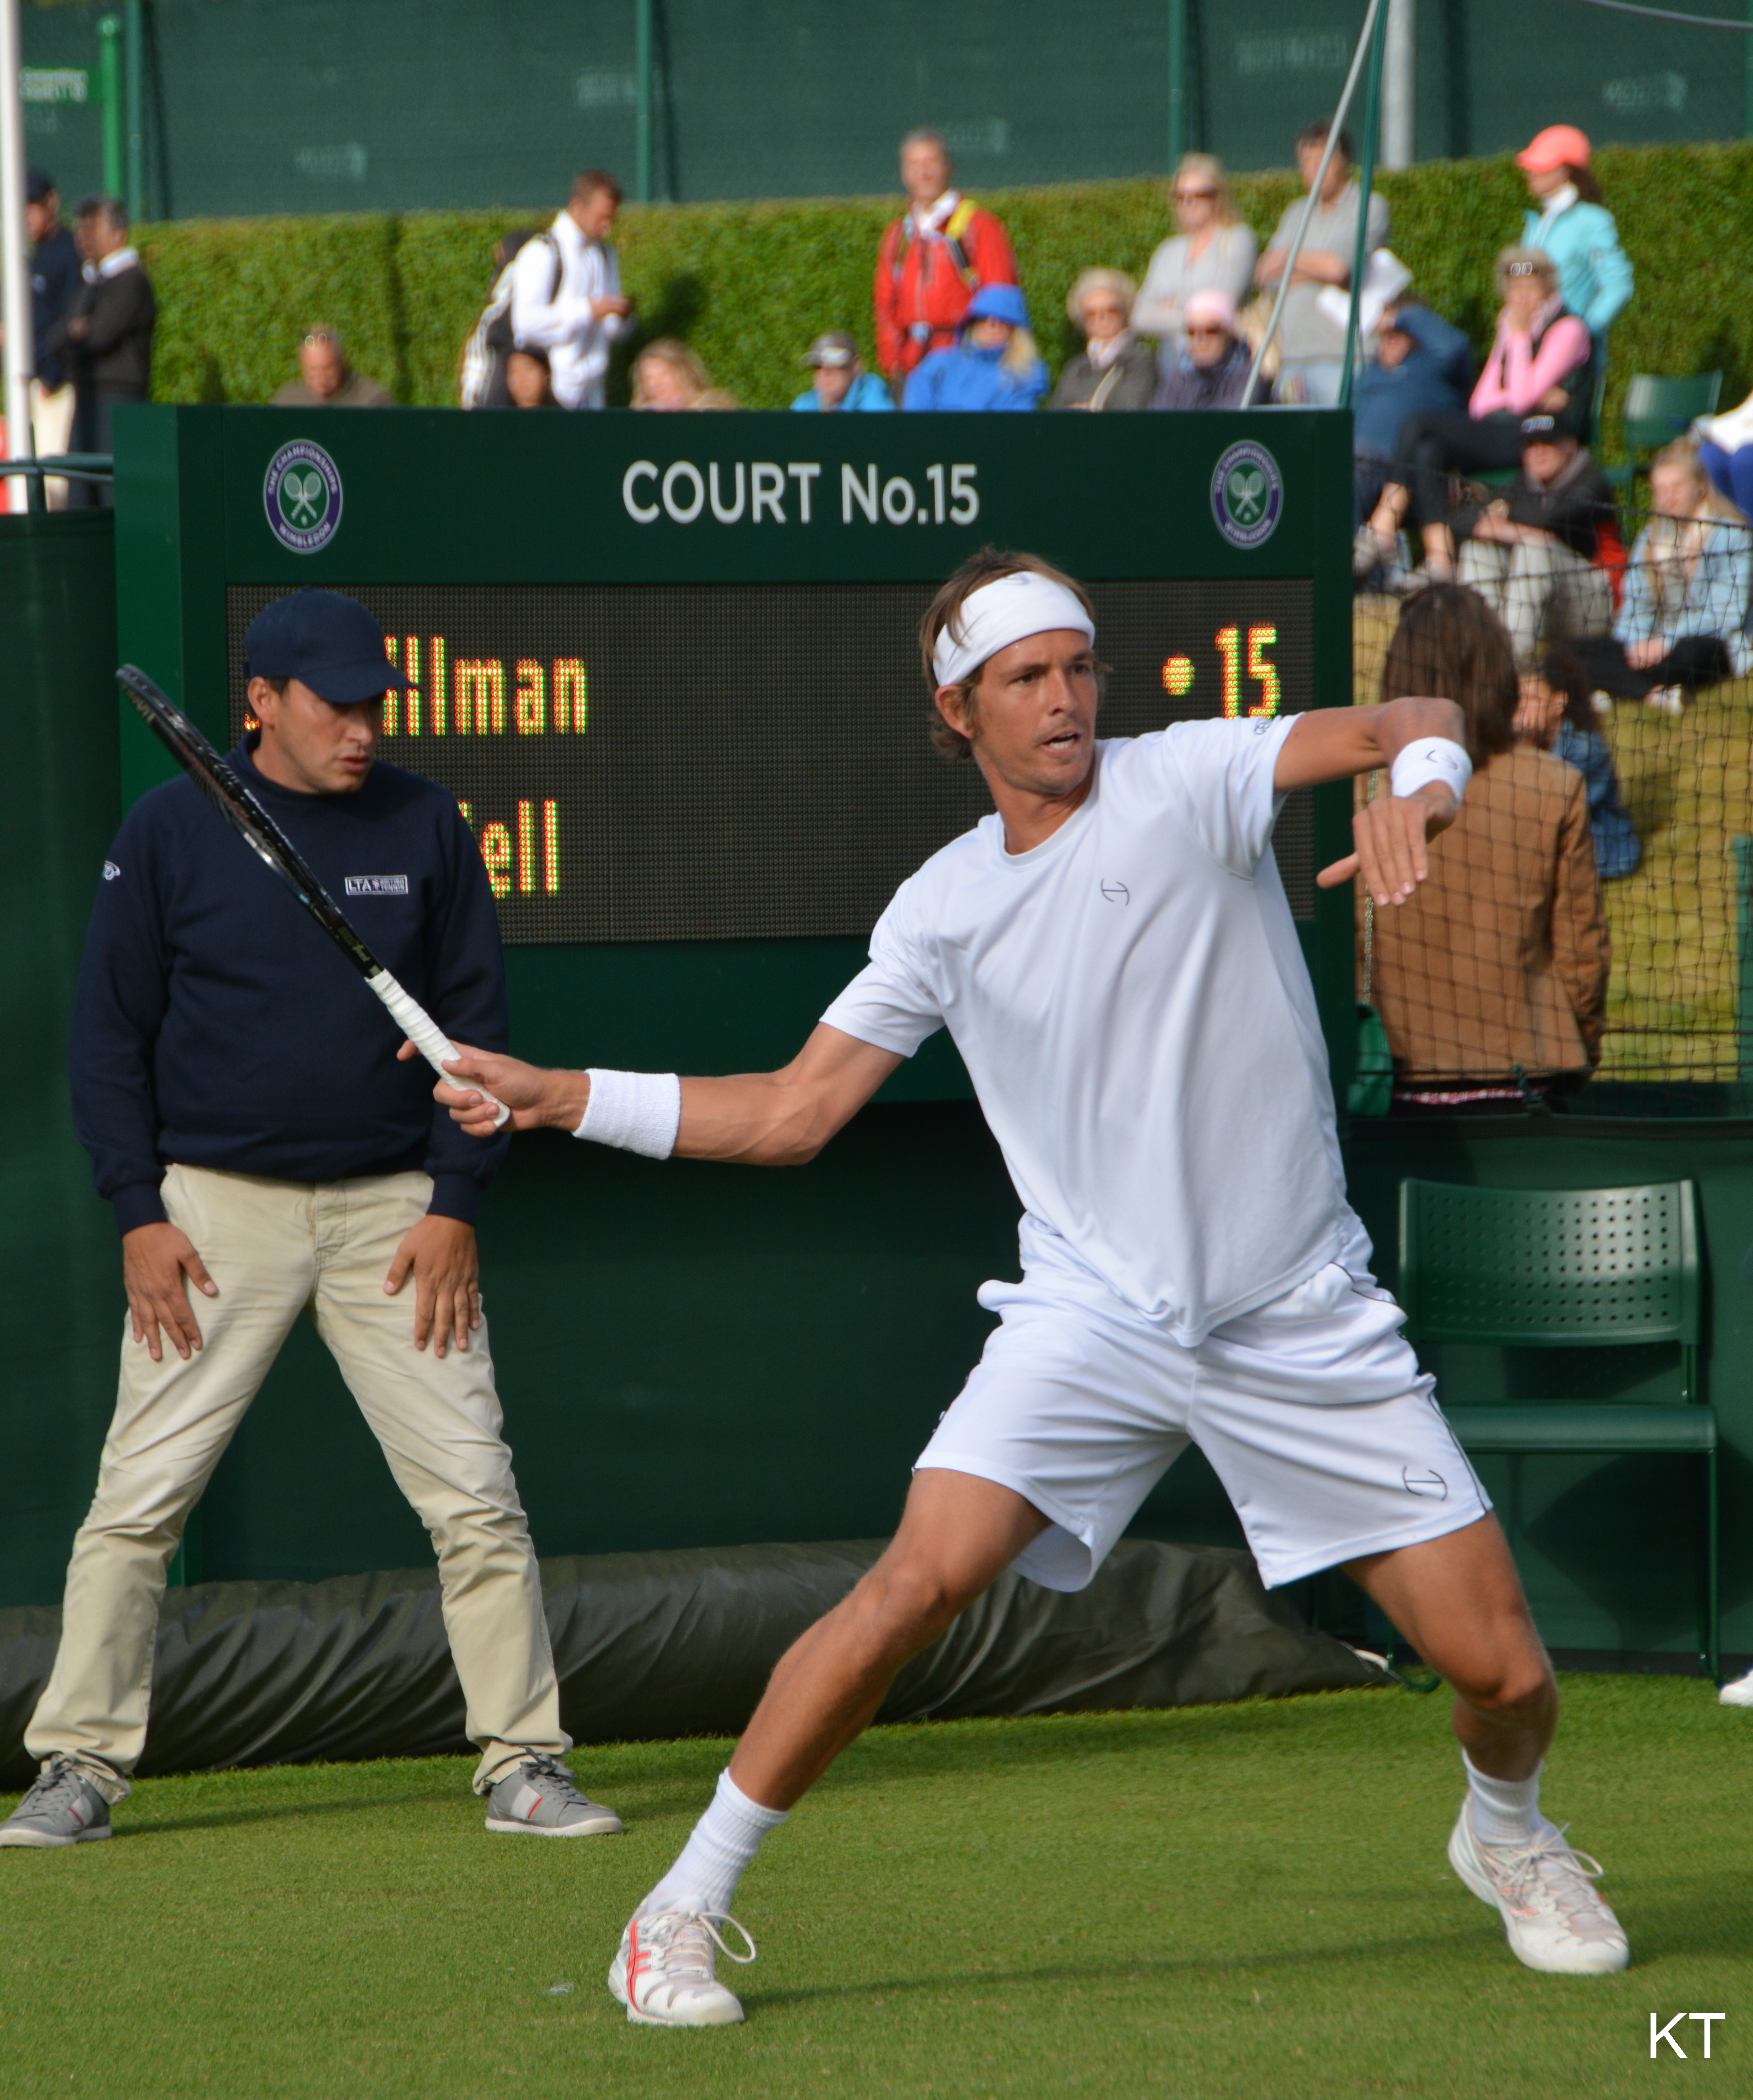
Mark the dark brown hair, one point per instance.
(1583, 182)
(592, 182)
(1565, 672)
(1451, 646)
(985, 567)
(1316, 135)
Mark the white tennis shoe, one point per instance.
(1553, 1918)
(1738, 1693)
(663, 1975)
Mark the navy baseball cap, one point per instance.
(1539, 429)
(326, 642)
(39, 185)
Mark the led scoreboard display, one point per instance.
(711, 761)
(667, 665)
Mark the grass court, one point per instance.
(1236, 1903)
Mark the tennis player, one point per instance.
(237, 1087)
(1114, 955)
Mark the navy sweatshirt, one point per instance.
(216, 1024)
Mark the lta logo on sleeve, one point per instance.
(301, 495)
(1247, 494)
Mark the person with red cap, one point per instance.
(1576, 229)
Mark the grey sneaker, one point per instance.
(63, 1807)
(539, 1797)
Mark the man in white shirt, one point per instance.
(566, 295)
(1113, 953)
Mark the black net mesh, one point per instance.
(1595, 925)
(670, 762)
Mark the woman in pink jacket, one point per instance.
(1542, 362)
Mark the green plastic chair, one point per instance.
(1569, 1268)
(1658, 411)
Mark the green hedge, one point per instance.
(748, 285)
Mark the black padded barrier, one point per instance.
(651, 1645)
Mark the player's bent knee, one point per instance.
(908, 1605)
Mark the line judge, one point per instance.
(248, 1121)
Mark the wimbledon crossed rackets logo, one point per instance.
(1247, 494)
(302, 496)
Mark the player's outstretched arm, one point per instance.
(1392, 834)
(779, 1118)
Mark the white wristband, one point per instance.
(637, 1111)
(1431, 758)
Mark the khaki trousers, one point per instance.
(1540, 590)
(275, 1249)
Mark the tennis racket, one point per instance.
(257, 830)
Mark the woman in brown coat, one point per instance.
(1491, 980)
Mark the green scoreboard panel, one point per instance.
(668, 665)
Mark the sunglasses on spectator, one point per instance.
(1523, 270)
(1094, 308)
(1193, 196)
(1206, 334)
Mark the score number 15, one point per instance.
(1177, 673)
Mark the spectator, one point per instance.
(1211, 371)
(666, 374)
(993, 363)
(105, 337)
(566, 295)
(1574, 228)
(933, 260)
(1542, 362)
(1215, 250)
(1491, 979)
(327, 381)
(1537, 552)
(1683, 620)
(1114, 369)
(841, 383)
(1725, 452)
(529, 379)
(1422, 366)
(1312, 345)
(1555, 712)
(54, 278)
(717, 397)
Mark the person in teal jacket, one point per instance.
(995, 364)
(842, 384)
(1576, 229)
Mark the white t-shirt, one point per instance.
(550, 310)
(1131, 1001)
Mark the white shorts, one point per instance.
(1312, 1411)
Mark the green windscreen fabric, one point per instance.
(62, 796)
(650, 1645)
(260, 106)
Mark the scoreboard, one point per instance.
(668, 665)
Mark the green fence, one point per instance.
(268, 106)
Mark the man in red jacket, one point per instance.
(933, 260)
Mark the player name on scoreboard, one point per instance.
(662, 762)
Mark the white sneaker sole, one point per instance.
(1739, 1693)
(1597, 1962)
(605, 1823)
(618, 1990)
(41, 1841)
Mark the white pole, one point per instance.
(1399, 75)
(1314, 191)
(14, 261)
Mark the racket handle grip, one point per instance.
(430, 1040)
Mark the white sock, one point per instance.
(724, 1840)
(1506, 1811)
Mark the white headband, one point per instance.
(999, 613)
